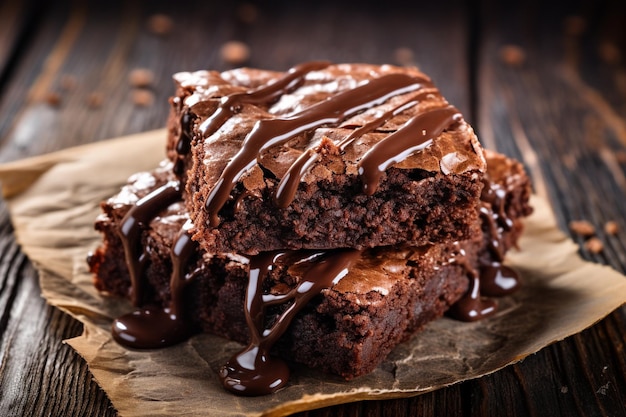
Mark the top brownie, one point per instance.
(322, 156)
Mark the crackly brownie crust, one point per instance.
(429, 196)
(349, 328)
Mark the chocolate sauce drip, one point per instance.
(133, 224)
(416, 134)
(498, 279)
(494, 216)
(153, 327)
(330, 112)
(493, 278)
(183, 144)
(288, 185)
(253, 371)
(183, 250)
(472, 306)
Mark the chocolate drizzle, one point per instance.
(493, 279)
(231, 104)
(288, 185)
(330, 112)
(498, 279)
(134, 223)
(183, 144)
(152, 327)
(253, 371)
(472, 306)
(416, 134)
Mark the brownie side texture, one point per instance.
(389, 294)
(428, 194)
(347, 330)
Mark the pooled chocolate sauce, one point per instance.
(253, 371)
(151, 328)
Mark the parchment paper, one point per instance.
(53, 200)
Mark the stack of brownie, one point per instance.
(321, 215)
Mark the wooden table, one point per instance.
(543, 83)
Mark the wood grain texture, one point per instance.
(563, 112)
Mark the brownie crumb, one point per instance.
(594, 245)
(404, 56)
(68, 82)
(512, 55)
(574, 25)
(611, 227)
(95, 100)
(142, 97)
(140, 77)
(53, 99)
(582, 228)
(160, 24)
(235, 52)
(247, 13)
(609, 52)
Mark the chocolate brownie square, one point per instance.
(322, 156)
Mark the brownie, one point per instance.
(388, 294)
(322, 156)
(323, 215)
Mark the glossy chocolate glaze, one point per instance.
(183, 144)
(271, 132)
(231, 104)
(288, 185)
(417, 133)
(153, 327)
(133, 224)
(493, 279)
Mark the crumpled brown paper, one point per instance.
(54, 199)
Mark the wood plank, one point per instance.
(561, 112)
(17, 19)
(39, 375)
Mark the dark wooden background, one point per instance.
(545, 83)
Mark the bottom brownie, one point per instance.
(347, 329)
